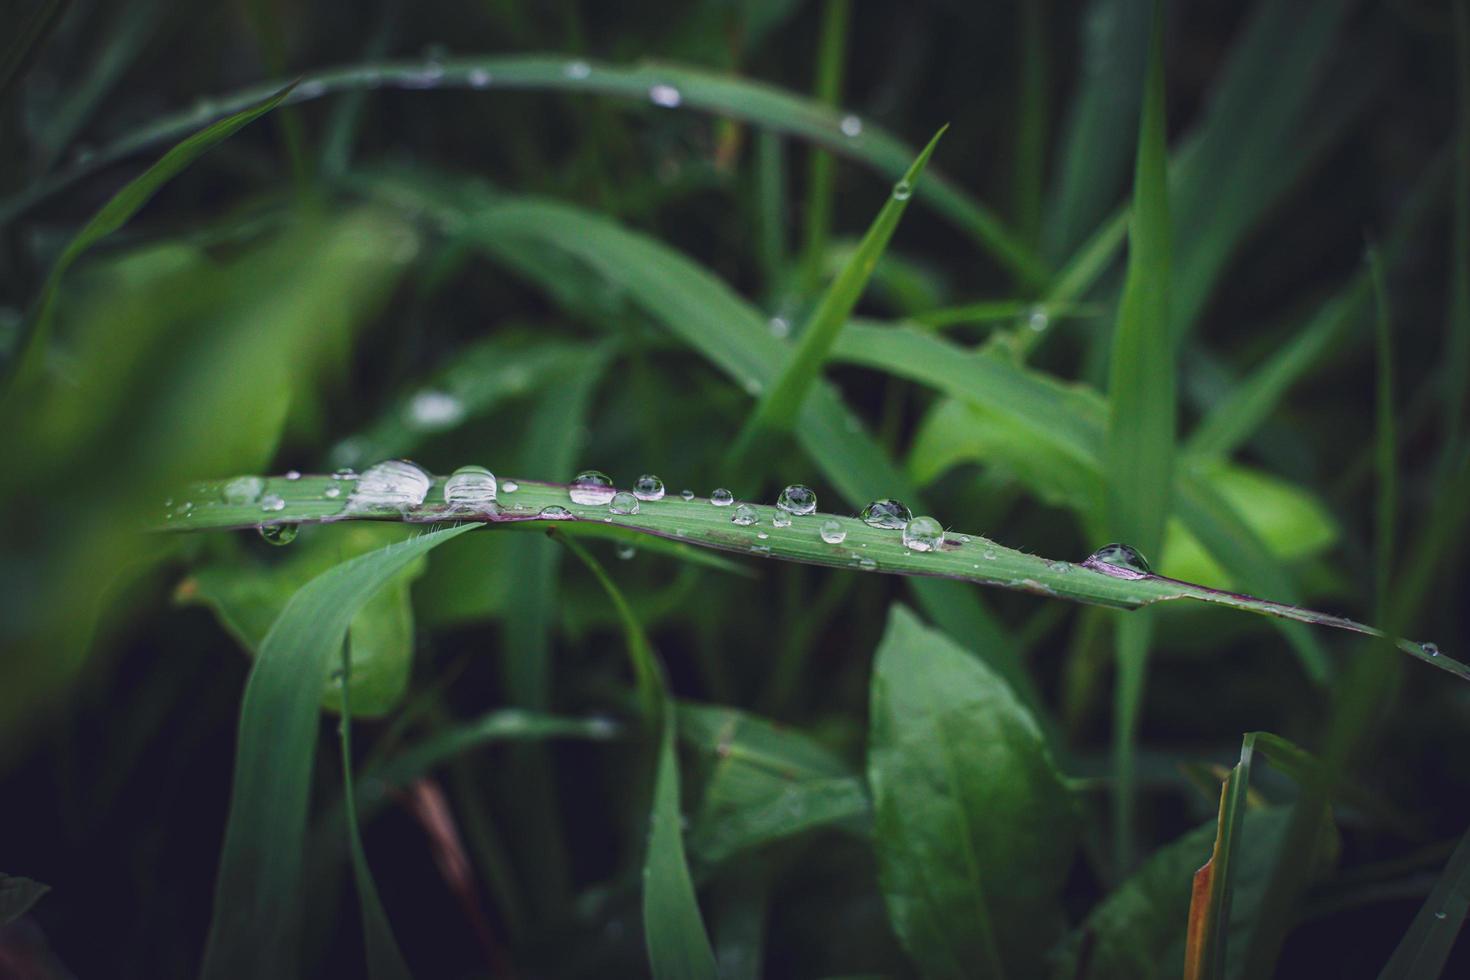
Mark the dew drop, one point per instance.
(780, 327)
(623, 502)
(1061, 567)
(591, 487)
(332, 491)
(556, 512)
(395, 483)
(433, 410)
(762, 535)
(345, 473)
(781, 519)
(832, 531)
(1037, 319)
(887, 513)
(990, 554)
(1119, 561)
(510, 486)
(626, 551)
(866, 563)
(278, 534)
(851, 126)
(665, 95)
(242, 490)
(722, 498)
(470, 488)
(1440, 915)
(479, 78)
(760, 549)
(648, 487)
(744, 515)
(272, 502)
(687, 494)
(923, 534)
(797, 499)
(1432, 649)
(902, 190)
(577, 69)
(293, 474)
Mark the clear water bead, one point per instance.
(722, 498)
(648, 487)
(271, 503)
(242, 490)
(923, 534)
(623, 502)
(797, 499)
(332, 492)
(395, 483)
(744, 515)
(887, 513)
(278, 534)
(556, 512)
(510, 486)
(626, 551)
(293, 474)
(832, 531)
(686, 494)
(781, 519)
(851, 126)
(665, 95)
(345, 473)
(577, 69)
(902, 190)
(469, 488)
(1119, 560)
(432, 410)
(1432, 649)
(591, 488)
(479, 78)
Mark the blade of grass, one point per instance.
(771, 194)
(831, 61)
(1031, 112)
(1422, 953)
(762, 105)
(1385, 441)
(1209, 904)
(252, 930)
(26, 41)
(384, 960)
(17, 895)
(780, 404)
(1457, 324)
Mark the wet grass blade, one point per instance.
(1457, 324)
(256, 896)
(831, 60)
(384, 960)
(1210, 899)
(1422, 953)
(779, 405)
(1385, 440)
(1029, 166)
(112, 216)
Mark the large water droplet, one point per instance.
(591, 487)
(851, 126)
(902, 190)
(744, 515)
(470, 488)
(923, 534)
(887, 513)
(722, 498)
(278, 534)
(665, 95)
(395, 483)
(556, 512)
(623, 502)
(797, 499)
(1118, 560)
(242, 490)
(648, 487)
(832, 531)
(272, 502)
(432, 410)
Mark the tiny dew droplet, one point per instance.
(887, 513)
(479, 78)
(1440, 914)
(665, 95)
(272, 502)
(332, 492)
(556, 512)
(762, 535)
(797, 499)
(293, 474)
(687, 494)
(923, 534)
(278, 534)
(623, 502)
(902, 190)
(577, 69)
(781, 519)
(832, 531)
(866, 563)
(1432, 649)
(242, 490)
(345, 473)
(648, 487)
(1118, 560)
(469, 487)
(626, 551)
(722, 497)
(510, 486)
(591, 488)
(431, 410)
(744, 515)
(851, 126)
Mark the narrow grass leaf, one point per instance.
(831, 61)
(1457, 324)
(1213, 891)
(1422, 953)
(1029, 165)
(1385, 440)
(27, 37)
(17, 896)
(973, 826)
(256, 897)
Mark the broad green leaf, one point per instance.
(252, 933)
(17, 895)
(973, 827)
(1422, 953)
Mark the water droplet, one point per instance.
(1118, 560)
(744, 515)
(332, 492)
(923, 534)
(345, 473)
(752, 386)
(648, 487)
(479, 78)
(762, 535)
(760, 549)
(433, 410)
(1061, 567)
(851, 126)
(665, 95)
(1440, 915)
(866, 563)
(272, 502)
(722, 498)
(902, 190)
(797, 499)
(780, 327)
(781, 519)
(887, 513)
(623, 502)
(832, 531)
(395, 483)
(278, 534)
(510, 486)
(591, 487)
(1037, 319)
(990, 554)
(1432, 649)
(556, 512)
(963, 538)
(469, 488)
(626, 551)
(242, 490)
(293, 474)
(577, 69)
(687, 494)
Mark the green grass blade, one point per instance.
(761, 105)
(831, 60)
(1029, 166)
(771, 194)
(1457, 324)
(998, 311)
(1422, 953)
(384, 959)
(1214, 884)
(26, 40)
(780, 404)
(17, 896)
(112, 216)
(1385, 440)
(255, 908)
